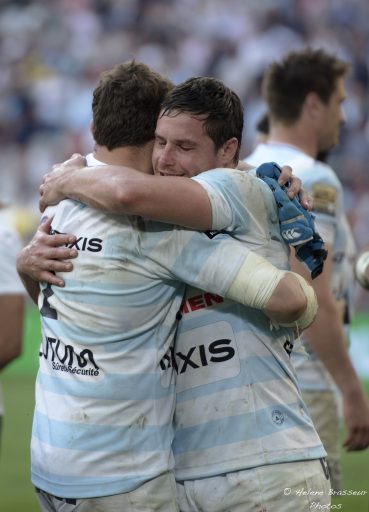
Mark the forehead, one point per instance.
(182, 126)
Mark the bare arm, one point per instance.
(326, 337)
(11, 332)
(42, 257)
(124, 190)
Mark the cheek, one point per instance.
(156, 150)
(190, 165)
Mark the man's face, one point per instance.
(332, 118)
(182, 148)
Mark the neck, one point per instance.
(130, 156)
(298, 135)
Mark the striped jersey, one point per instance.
(104, 397)
(320, 180)
(238, 402)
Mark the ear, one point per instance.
(92, 128)
(228, 151)
(313, 105)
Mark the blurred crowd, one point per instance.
(51, 54)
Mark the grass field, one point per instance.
(16, 491)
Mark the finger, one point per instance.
(358, 439)
(58, 266)
(361, 440)
(59, 253)
(41, 205)
(49, 277)
(59, 241)
(285, 176)
(44, 238)
(45, 224)
(76, 160)
(294, 188)
(306, 200)
(349, 441)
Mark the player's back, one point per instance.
(100, 388)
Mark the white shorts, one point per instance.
(157, 494)
(288, 487)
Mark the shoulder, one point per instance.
(324, 187)
(227, 176)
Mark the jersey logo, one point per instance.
(212, 234)
(83, 243)
(197, 302)
(288, 346)
(198, 356)
(325, 198)
(278, 417)
(65, 358)
(291, 234)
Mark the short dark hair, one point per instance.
(262, 125)
(287, 83)
(126, 104)
(209, 99)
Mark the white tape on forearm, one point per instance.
(310, 312)
(360, 269)
(255, 282)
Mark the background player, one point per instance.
(304, 94)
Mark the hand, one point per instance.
(51, 189)
(356, 414)
(293, 184)
(44, 255)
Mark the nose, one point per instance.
(166, 156)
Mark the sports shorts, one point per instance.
(289, 487)
(156, 494)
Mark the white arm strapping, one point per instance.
(311, 310)
(255, 282)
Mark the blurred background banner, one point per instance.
(51, 53)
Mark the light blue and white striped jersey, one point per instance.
(238, 402)
(322, 183)
(104, 400)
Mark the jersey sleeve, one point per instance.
(10, 245)
(222, 214)
(198, 259)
